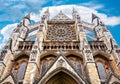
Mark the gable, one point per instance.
(61, 65)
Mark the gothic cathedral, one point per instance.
(60, 50)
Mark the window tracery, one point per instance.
(103, 66)
(20, 66)
(44, 67)
(101, 70)
(46, 63)
(76, 62)
(22, 70)
(61, 33)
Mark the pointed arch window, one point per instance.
(78, 66)
(22, 70)
(51, 61)
(101, 70)
(44, 67)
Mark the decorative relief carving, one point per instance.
(61, 61)
(33, 55)
(61, 33)
(3, 53)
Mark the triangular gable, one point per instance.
(61, 62)
(10, 78)
(112, 79)
(61, 16)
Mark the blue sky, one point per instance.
(12, 11)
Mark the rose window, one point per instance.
(61, 33)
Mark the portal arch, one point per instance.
(59, 76)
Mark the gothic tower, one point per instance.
(60, 50)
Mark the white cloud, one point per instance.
(113, 21)
(5, 33)
(92, 5)
(35, 17)
(84, 12)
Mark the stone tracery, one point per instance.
(61, 33)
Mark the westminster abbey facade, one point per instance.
(60, 50)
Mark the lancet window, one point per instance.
(46, 62)
(76, 62)
(20, 66)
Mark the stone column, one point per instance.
(32, 67)
(89, 63)
(34, 60)
(7, 67)
(2, 67)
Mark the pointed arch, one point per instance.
(20, 64)
(74, 53)
(45, 61)
(115, 82)
(44, 54)
(59, 71)
(26, 54)
(102, 64)
(7, 83)
(76, 61)
(102, 53)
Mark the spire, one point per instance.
(74, 11)
(47, 11)
(94, 17)
(61, 12)
(27, 16)
(98, 20)
(75, 15)
(46, 14)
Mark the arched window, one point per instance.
(51, 61)
(22, 70)
(46, 62)
(71, 61)
(101, 70)
(116, 82)
(76, 62)
(78, 66)
(7, 83)
(44, 67)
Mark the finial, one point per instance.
(27, 16)
(47, 10)
(61, 51)
(60, 11)
(74, 11)
(94, 16)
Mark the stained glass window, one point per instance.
(21, 71)
(44, 67)
(78, 66)
(101, 70)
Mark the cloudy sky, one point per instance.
(12, 12)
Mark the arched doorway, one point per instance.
(61, 78)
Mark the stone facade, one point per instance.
(60, 52)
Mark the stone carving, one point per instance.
(61, 61)
(61, 16)
(33, 55)
(61, 33)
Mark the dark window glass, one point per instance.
(44, 67)
(101, 70)
(22, 71)
(51, 61)
(79, 69)
(71, 62)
